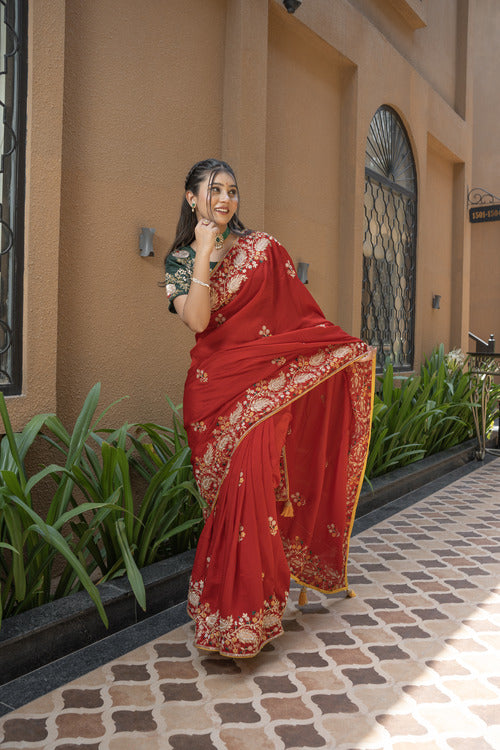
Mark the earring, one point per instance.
(193, 204)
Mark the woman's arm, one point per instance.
(194, 307)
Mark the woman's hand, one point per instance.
(205, 232)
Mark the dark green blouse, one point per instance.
(178, 272)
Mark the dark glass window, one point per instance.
(12, 168)
(389, 245)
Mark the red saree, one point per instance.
(277, 406)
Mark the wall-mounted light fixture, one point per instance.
(436, 301)
(146, 241)
(292, 5)
(302, 272)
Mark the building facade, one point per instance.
(357, 129)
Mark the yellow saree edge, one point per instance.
(362, 475)
(345, 587)
(370, 353)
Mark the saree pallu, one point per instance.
(277, 407)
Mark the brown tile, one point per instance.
(465, 644)
(237, 713)
(429, 614)
(336, 638)
(249, 738)
(291, 626)
(426, 694)
(175, 670)
(411, 632)
(214, 665)
(131, 695)
(335, 704)
(348, 656)
(299, 735)
(387, 653)
(182, 691)
(364, 676)
(172, 650)
(191, 742)
(445, 667)
(134, 721)
(77, 698)
(88, 726)
(275, 684)
(24, 730)
(356, 621)
(403, 724)
(314, 660)
(376, 604)
(130, 672)
(398, 616)
(469, 743)
(320, 680)
(490, 714)
(286, 708)
(79, 746)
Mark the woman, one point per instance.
(277, 407)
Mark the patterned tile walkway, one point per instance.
(412, 662)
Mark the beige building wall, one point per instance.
(485, 240)
(122, 102)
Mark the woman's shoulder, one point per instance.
(182, 253)
(181, 256)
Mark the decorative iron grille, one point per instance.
(13, 15)
(388, 298)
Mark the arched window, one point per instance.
(13, 35)
(388, 301)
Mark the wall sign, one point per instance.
(483, 206)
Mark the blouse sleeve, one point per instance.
(178, 273)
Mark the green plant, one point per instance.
(417, 415)
(101, 521)
(30, 544)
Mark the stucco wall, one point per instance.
(143, 101)
(122, 100)
(303, 177)
(485, 266)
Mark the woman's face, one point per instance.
(222, 202)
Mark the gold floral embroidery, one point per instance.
(332, 529)
(220, 319)
(298, 499)
(234, 636)
(199, 426)
(273, 526)
(202, 376)
(264, 331)
(242, 534)
(300, 376)
(279, 361)
(242, 478)
(246, 254)
(290, 269)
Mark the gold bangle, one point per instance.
(201, 283)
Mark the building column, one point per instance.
(245, 102)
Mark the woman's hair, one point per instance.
(184, 234)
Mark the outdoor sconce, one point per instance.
(292, 5)
(302, 272)
(436, 301)
(146, 241)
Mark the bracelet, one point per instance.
(201, 283)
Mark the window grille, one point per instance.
(389, 244)
(13, 16)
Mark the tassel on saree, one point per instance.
(287, 509)
(350, 594)
(303, 596)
